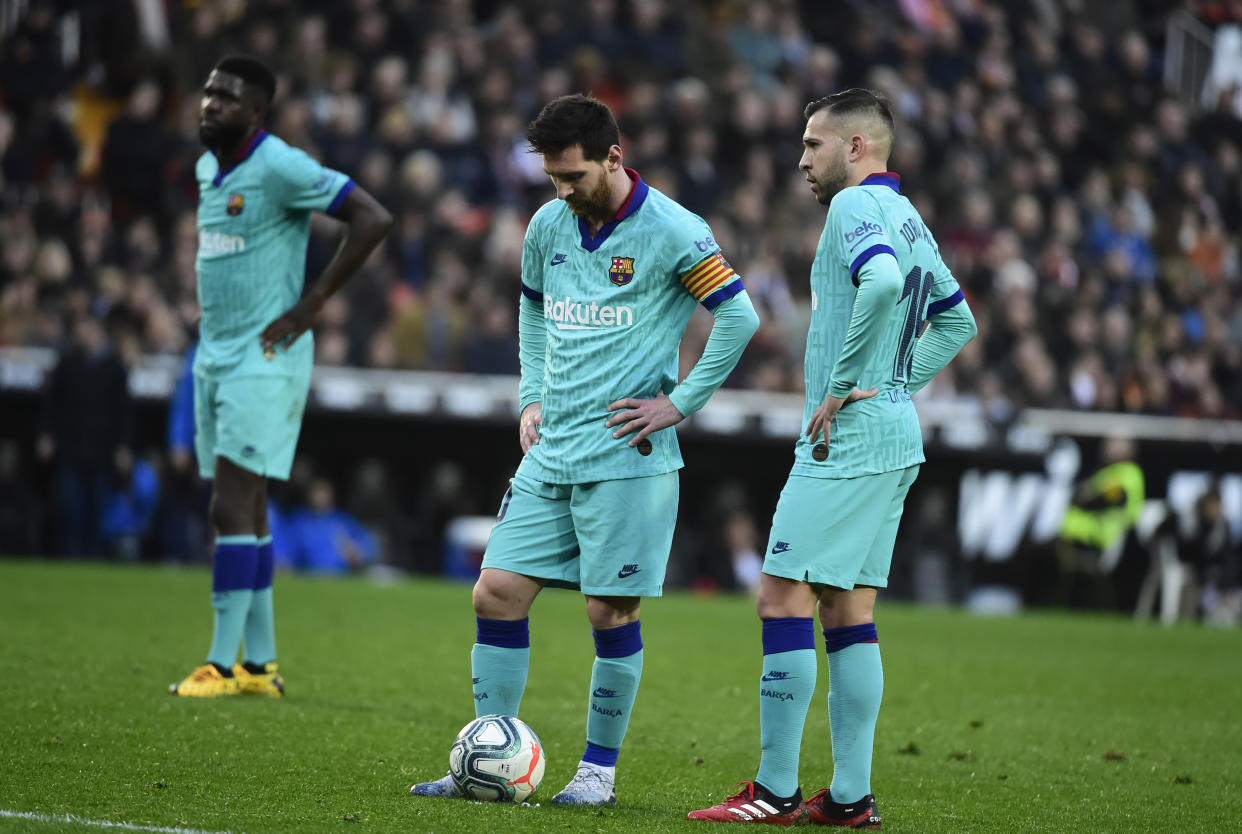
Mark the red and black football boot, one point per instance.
(753, 803)
(823, 811)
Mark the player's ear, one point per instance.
(858, 147)
(614, 159)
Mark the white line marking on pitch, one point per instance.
(124, 826)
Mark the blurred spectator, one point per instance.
(86, 434)
(136, 154)
(1205, 546)
(20, 510)
(182, 514)
(1093, 532)
(321, 538)
(128, 511)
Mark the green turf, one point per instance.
(1044, 722)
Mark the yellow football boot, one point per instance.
(206, 682)
(269, 683)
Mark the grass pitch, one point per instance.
(1039, 723)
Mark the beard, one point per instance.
(218, 135)
(594, 204)
(834, 178)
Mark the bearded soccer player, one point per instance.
(611, 272)
(886, 316)
(252, 371)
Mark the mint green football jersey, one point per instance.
(880, 434)
(615, 307)
(253, 228)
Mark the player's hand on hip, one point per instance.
(822, 419)
(292, 323)
(643, 416)
(528, 426)
(860, 394)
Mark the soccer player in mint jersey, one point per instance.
(252, 371)
(611, 272)
(886, 316)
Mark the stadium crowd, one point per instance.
(1091, 217)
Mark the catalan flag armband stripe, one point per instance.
(708, 276)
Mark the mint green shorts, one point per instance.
(254, 421)
(608, 538)
(838, 531)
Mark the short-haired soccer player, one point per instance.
(611, 272)
(876, 281)
(252, 371)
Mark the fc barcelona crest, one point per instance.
(622, 271)
(235, 205)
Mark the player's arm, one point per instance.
(366, 223)
(532, 343)
(718, 288)
(734, 322)
(950, 325)
(879, 287)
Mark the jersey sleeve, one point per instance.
(945, 292)
(702, 268)
(532, 335)
(532, 262)
(861, 229)
(950, 325)
(301, 183)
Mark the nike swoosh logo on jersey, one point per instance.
(558, 259)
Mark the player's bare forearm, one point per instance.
(366, 224)
(643, 415)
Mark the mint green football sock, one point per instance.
(786, 687)
(499, 663)
(615, 676)
(232, 580)
(260, 630)
(856, 687)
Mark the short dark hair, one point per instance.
(574, 120)
(251, 70)
(852, 101)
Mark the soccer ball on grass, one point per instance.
(497, 758)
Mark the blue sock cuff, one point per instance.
(504, 634)
(243, 539)
(621, 641)
(233, 565)
(602, 756)
(787, 634)
(836, 639)
(266, 567)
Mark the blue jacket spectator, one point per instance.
(129, 510)
(321, 538)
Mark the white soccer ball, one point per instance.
(497, 758)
